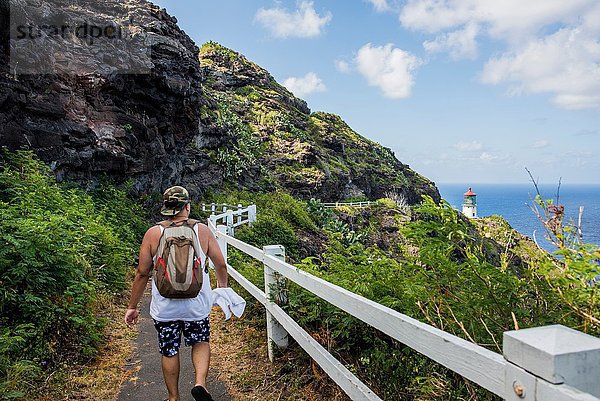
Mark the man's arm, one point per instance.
(214, 253)
(141, 276)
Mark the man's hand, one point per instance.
(142, 275)
(131, 317)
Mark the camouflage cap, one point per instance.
(174, 200)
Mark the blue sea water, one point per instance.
(512, 201)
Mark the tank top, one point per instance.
(188, 309)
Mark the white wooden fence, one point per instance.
(230, 216)
(332, 205)
(551, 363)
(219, 207)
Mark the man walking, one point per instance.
(173, 309)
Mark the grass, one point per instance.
(101, 379)
(239, 354)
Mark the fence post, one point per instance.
(221, 229)
(213, 219)
(274, 286)
(554, 354)
(251, 214)
(239, 218)
(230, 223)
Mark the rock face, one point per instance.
(123, 125)
(211, 121)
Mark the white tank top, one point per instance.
(187, 309)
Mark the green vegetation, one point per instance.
(574, 275)
(62, 249)
(472, 279)
(241, 152)
(281, 221)
(307, 154)
(222, 51)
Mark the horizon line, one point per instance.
(513, 183)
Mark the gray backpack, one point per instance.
(178, 268)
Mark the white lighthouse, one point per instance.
(470, 204)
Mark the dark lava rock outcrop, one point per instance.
(206, 118)
(125, 125)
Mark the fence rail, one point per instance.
(230, 216)
(333, 205)
(219, 207)
(521, 373)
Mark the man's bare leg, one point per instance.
(170, 369)
(201, 361)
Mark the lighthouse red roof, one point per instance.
(470, 193)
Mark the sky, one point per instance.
(464, 91)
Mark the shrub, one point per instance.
(60, 248)
(474, 281)
(283, 205)
(242, 151)
(574, 274)
(318, 213)
(445, 273)
(269, 229)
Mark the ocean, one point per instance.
(512, 201)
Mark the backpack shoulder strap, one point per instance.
(170, 223)
(165, 223)
(191, 222)
(202, 254)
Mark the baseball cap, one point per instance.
(174, 200)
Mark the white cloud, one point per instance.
(552, 46)
(302, 86)
(541, 144)
(388, 67)
(304, 22)
(502, 19)
(459, 44)
(342, 66)
(468, 146)
(488, 157)
(564, 64)
(380, 5)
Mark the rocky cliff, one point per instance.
(124, 125)
(207, 118)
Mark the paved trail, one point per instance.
(147, 384)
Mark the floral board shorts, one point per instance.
(169, 334)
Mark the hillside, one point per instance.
(208, 118)
(475, 279)
(278, 142)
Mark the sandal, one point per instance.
(200, 394)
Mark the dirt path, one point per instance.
(147, 383)
(239, 371)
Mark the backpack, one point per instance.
(177, 271)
